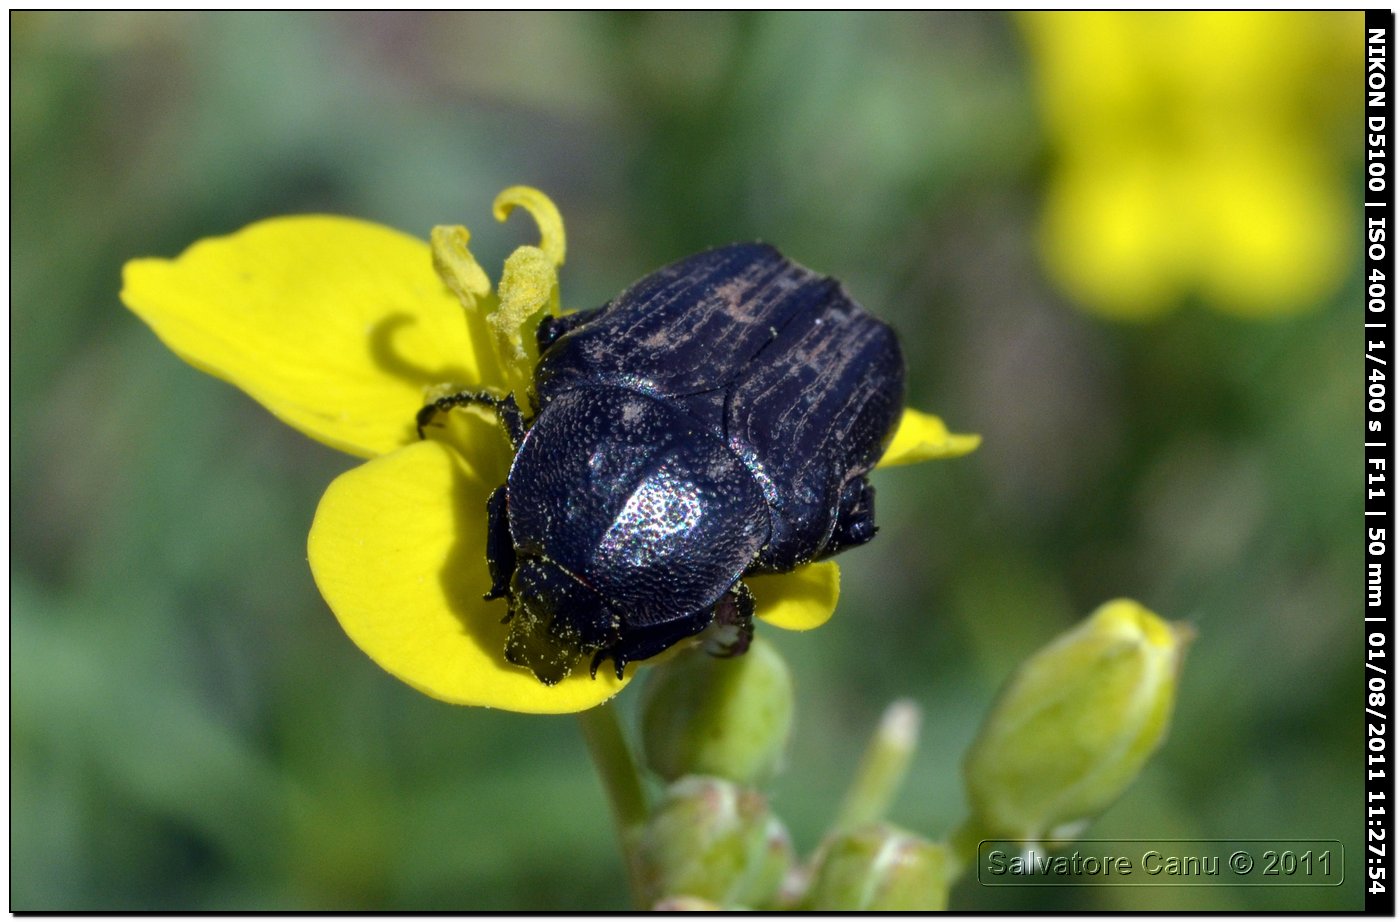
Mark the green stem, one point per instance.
(882, 768)
(962, 848)
(618, 772)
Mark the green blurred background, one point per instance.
(191, 730)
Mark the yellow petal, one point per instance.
(924, 437)
(800, 600)
(337, 326)
(398, 551)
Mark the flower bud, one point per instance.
(712, 840)
(878, 868)
(1075, 724)
(703, 715)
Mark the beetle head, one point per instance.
(555, 618)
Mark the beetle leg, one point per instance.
(500, 550)
(507, 411)
(731, 631)
(429, 414)
(855, 518)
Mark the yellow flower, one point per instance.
(344, 330)
(1197, 154)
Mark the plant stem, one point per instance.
(882, 768)
(962, 848)
(618, 772)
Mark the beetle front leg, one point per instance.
(500, 550)
(507, 411)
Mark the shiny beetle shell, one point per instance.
(715, 420)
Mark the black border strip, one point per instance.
(1379, 372)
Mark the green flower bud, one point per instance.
(1075, 724)
(702, 715)
(712, 840)
(878, 868)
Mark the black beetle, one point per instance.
(715, 420)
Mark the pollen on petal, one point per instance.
(528, 291)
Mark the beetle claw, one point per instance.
(619, 662)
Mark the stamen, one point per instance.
(546, 216)
(456, 266)
(528, 286)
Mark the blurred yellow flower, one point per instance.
(344, 330)
(1197, 154)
